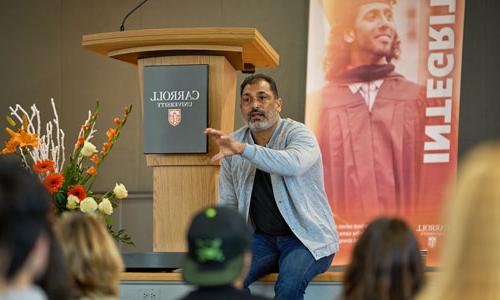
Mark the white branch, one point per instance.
(47, 149)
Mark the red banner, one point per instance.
(383, 90)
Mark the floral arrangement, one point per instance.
(70, 184)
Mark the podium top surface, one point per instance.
(240, 45)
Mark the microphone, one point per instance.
(122, 27)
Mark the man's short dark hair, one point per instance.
(24, 207)
(256, 77)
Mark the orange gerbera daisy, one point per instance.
(53, 182)
(43, 166)
(92, 171)
(78, 191)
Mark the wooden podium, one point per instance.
(185, 183)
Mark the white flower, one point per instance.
(120, 191)
(88, 149)
(88, 205)
(106, 207)
(72, 202)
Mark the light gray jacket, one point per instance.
(293, 159)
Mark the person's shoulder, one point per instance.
(291, 125)
(287, 122)
(403, 82)
(31, 293)
(292, 130)
(398, 87)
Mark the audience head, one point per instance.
(55, 281)
(92, 258)
(24, 208)
(386, 263)
(219, 248)
(471, 253)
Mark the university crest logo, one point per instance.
(174, 116)
(431, 241)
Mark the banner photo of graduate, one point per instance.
(383, 95)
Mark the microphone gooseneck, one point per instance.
(122, 27)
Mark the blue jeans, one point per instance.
(288, 256)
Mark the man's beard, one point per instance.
(388, 50)
(385, 52)
(268, 120)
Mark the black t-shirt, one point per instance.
(264, 212)
(225, 292)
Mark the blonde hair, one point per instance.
(91, 254)
(471, 255)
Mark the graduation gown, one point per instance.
(372, 158)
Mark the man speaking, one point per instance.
(271, 170)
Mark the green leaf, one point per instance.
(109, 220)
(11, 121)
(121, 236)
(60, 199)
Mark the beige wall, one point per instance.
(41, 57)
